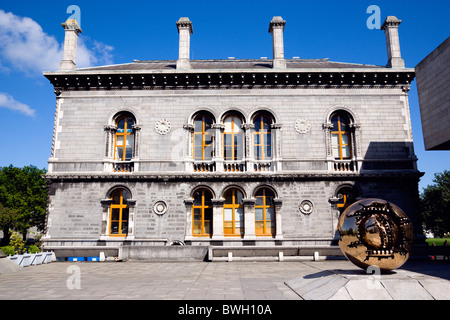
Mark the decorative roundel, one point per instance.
(306, 207)
(302, 126)
(160, 208)
(163, 126)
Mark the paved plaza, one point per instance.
(307, 280)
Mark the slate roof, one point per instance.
(231, 64)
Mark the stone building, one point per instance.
(264, 153)
(434, 97)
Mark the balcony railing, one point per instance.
(204, 166)
(344, 165)
(123, 167)
(262, 166)
(235, 166)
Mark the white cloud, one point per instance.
(26, 47)
(6, 101)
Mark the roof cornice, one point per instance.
(80, 80)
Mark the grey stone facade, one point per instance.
(300, 96)
(432, 87)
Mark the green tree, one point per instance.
(435, 205)
(24, 191)
(8, 220)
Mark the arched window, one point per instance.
(119, 213)
(264, 212)
(124, 138)
(233, 213)
(202, 212)
(346, 196)
(341, 136)
(233, 138)
(262, 138)
(203, 138)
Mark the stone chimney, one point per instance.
(276, 28)
(185, 30)
(70, 45)
(390, 27)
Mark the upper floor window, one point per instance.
(341, 136)
(124, 138)
(203, 138)
(262, 138)
(233, 138)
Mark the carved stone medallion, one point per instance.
(306, 207)
(163, 126)
(160, 208)
(302, 126)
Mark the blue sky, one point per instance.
(116, 32)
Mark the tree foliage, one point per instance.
(23, 199)
(435, 205)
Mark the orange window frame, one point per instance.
(265, 230)
(264, 141)
(202, 219)
(125, 134)
(233, 145)
(340, 133)
(120, 206)
(203, 134)
(231, 231)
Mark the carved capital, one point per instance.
(110, 128)
(218, 202)
(275, 126)
(247, 126)
(189, 127)
(218, 126)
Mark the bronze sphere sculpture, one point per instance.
(375, 232)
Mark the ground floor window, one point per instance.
(264, 213)
(202, 210)
(119, 213)
(233, 213)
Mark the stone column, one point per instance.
(390, 27)
(184, 30)
(189, 155)
(276, 28)
(276, 147)
(188, 203)
(217, 231)
(249, 219)
(131, 227)
(70, 45)
(356, 145)
(278, 225)
(248, 152)
(218, 146)
(327, 128)
(110, 131)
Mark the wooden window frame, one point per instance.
(202, 208)
(122, 205)
(340, 134)
(233, 206)
(125, 134)
(233, 145)
(203, 133)
(265, 232)
(263, 141)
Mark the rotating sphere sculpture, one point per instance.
(375, 232)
